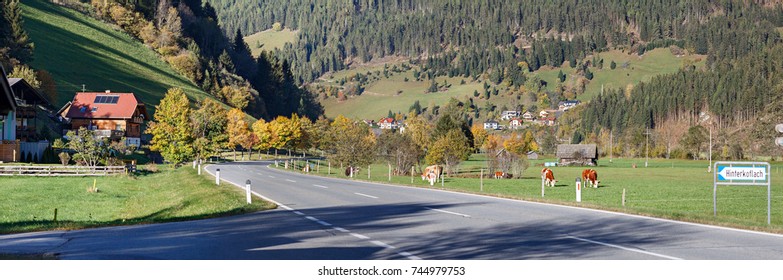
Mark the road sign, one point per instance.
(742, 173)
(779, 141)
(779, 128)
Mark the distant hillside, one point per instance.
(78, 50)
(269, 40)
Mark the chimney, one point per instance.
(108, 91)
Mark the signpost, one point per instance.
(742, 174)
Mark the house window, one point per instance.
(118, 127)
(83, 109)
(94, 109)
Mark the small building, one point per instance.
(568, 104)
(9, 146)
(508, 115)
(110, 115)
(577, 154)
(387, 123)
(528, 117)
(515, 123)
(532, 155)
(491, 124)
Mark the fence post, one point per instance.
(329, 171)
(411, 174)
(623, 197)
(482, 179)
(389, 172)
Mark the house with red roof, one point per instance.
(110, 115)
(387, 123)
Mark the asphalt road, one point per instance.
(324, 218)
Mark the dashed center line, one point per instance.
(359, 236)
(289, 180)
(449, 212)
(624, 248)
(366, 195)
(323, 187)
(379, 243)
(270, 176)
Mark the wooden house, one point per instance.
(110, 115)
(32, 112)
(9, 146)
(580, 154)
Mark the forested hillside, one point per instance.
(333, 33)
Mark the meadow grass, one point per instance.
(674, 189)
(78, 50)
(270, 40)
(28, 203)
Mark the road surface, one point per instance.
(326, 218)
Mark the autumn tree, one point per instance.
(398, 150)
(479, 135)
(237, 129)
(449, 150)
(352, 142)
(209, 128)
(263, 132)
(88, 148)
(172, 133)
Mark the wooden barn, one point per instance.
(581, 154)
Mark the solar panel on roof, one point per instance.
(107, 99)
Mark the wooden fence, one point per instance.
(54, 170)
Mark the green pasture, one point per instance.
(28, 203)
(674, 189)
(78, 50)
(395, 94)
(269, 40)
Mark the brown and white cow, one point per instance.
(592, 178)
(502, 175)
(548, 176)
(351, 171)
(432, 169)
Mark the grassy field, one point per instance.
(675, 189)
(78, 50)
(28, 203)
(383, 95)
(269, 40)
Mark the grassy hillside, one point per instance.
(395, 94)
(78, 50)
(269, 40)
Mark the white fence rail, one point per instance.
(47, 171)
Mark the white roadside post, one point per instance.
(542, 186)
(199, 169)
(368, 172)
(441, 179)
(389, 172)
(247, 191)
(578, 189)
(411, 174)
(217, 177)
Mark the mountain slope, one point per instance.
(78, 50)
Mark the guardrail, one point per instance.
(51, 171)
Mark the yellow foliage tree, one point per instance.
(171, 131)
(237, 129)
(479, 135)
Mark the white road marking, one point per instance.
(323, 187)
(342, 230)
(409, 255)
(281, 205)
(449, 212)
(324, 223)
(289, 180)
(270, 176)
(311, 218)
(376, 242)
(299, 213)
(366, 195)
(624, 248)
(359, 236)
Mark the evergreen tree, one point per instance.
(12, 33)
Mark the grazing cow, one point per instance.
(432, 169)
(351, 171)
(592, 178)
(502, 175)
(548, 176)
(585, 174)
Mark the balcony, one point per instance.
(103, 133)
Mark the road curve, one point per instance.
(420, 223)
